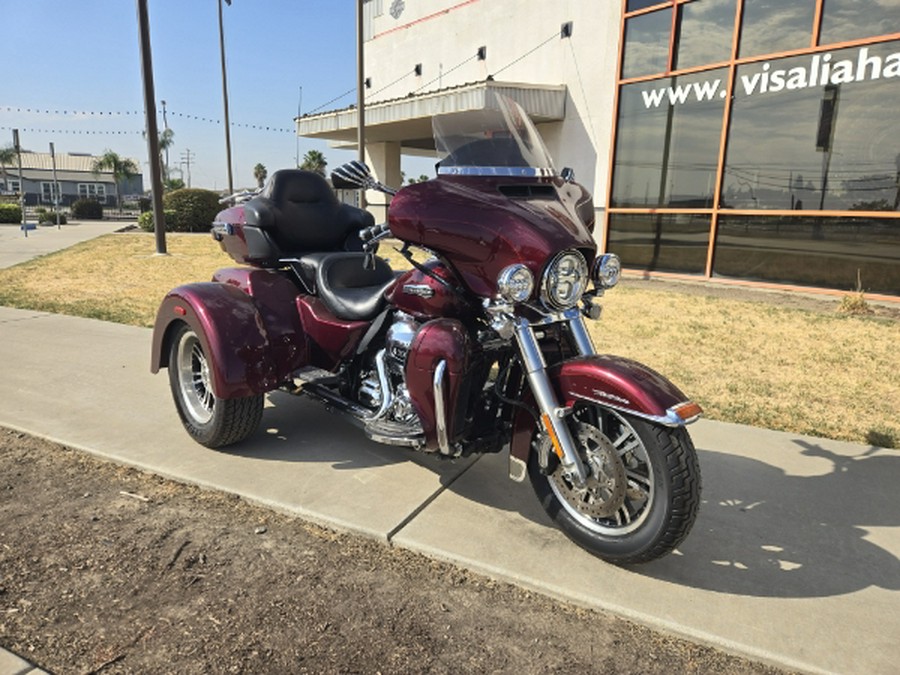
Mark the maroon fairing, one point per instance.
(482, 225)
(610, 381)
(425, 297)
(438, 340)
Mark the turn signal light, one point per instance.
(688, 411)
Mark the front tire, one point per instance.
(211, 421)
(642, 494)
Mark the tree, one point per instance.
(314, 161)
(166, 141)
(7, 156)
(121, 168)
(260, 173)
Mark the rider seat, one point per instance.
(350, 290)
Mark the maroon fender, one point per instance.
(438, 340)
(253, 343)
(612, 382)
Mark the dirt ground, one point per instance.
(107, 569)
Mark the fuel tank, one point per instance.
(421, 294)
(481, 224)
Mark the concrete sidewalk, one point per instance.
(16, 248)
(793, 560)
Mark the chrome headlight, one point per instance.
(607, 270)
(565, 279)
(515, 283)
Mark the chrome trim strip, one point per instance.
(511, 171)
(440, 411)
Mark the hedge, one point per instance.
(145, 220)
(10, 213)
(87, 209)
(194, 209)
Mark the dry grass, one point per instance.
(812, 372)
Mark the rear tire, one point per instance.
(211, 421)
(625, 522)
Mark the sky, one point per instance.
(72, 76)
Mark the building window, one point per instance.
(92, 191)
(13, 186)
(778, 163)
(49, 191)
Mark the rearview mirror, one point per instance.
(351, 176)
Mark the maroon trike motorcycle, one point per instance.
(480, 348)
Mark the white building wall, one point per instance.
(523, 43)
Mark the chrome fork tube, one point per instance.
(580, 334)
(545, 397)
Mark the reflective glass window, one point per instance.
(661, 242)
(816, 132)
(776, 26)
(704, 33)
(844, 20)
(647, 44)
(667, 144)
(635, 5)
(814, 251)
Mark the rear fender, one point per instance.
(233, 334)
(610, 382)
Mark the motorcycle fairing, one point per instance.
(482, 225)
(440, 340)
(612, 382)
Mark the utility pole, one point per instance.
(156, 188)
(187, 157)
(165, 128)
(297, 155)
(55, 189)
(360, 93)
(21, 180)
(225, 99)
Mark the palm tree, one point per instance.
(314, 161)
(121, 168)
(7, 156)
(260, 173)
(166, 140)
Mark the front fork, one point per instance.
(552, 414)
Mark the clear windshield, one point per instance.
(499, 140)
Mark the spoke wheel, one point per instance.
(212, 421)
(642, 492)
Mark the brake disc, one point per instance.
(605, 488)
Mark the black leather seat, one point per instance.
(349, 290)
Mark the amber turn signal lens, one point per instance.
(688, 411)
(557, 448)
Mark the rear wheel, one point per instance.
(212, 421)
(643, 489)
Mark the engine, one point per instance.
(384, 386)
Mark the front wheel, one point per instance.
(642, 492)
(211, 421)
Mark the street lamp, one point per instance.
(225, 98)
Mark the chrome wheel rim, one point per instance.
(625, 505)
(194, 382)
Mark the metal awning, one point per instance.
(408, 120)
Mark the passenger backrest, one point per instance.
(301, 213)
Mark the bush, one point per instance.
(10, 213)
(195, 209)
(145, 220)
(44, 216)
(87, 209)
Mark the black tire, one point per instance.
(211, 421)
(639, 520)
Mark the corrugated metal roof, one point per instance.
(64, 162)
(410, 117)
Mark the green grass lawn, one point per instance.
(812, 372)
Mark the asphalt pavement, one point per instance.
(793, 560)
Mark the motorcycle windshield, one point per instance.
(499, 140)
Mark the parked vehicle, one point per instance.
(481, 348)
